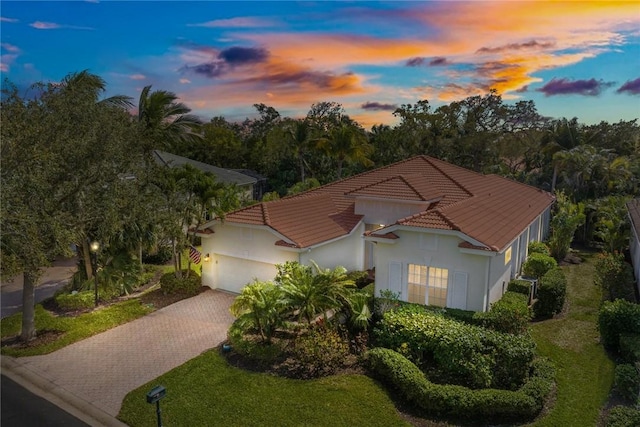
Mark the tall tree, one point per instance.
(346, 143)
(64, 151)
(166, 123)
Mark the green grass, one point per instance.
(584, 371)
(168, 268)
(208, 391)
(73, 328)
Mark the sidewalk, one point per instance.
(90, 378)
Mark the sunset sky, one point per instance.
(573, 58)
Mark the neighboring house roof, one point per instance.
(223, 175)
(634, 213)
(489, 209)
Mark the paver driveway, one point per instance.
(104, 368)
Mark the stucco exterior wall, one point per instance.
(434, 250)
(347, 252)
(386, 211)
(250, 252)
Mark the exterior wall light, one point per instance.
(207, 258)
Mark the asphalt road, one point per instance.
(11, 302)
(21, 408)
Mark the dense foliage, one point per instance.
(458, 353)
(510, 314)
(552, 293)
(461, 403)
(188, 284)
(615, 277)
(537, 264)
(617, 318)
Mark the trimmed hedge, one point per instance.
(538, 248)
(190, 285)
(510, 314)
(624, 416)
(630, 347)
(78, 301)
(538, 264)
(452, 401)
(464, 354)
(627, 382)
(617, 318)
(520, 286)
(552, 292)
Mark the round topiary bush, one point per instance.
(189, 284)
(538, 264)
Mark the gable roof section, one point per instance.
(487, 208)
(634, 213)
(224, 175)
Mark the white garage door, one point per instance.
(235, 273)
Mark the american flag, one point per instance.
(194, 255)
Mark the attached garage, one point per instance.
(232, 274)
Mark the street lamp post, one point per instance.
(94, 247)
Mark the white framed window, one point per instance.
(427, 285)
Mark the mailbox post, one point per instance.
(154, 396)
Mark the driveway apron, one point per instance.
(104, 368)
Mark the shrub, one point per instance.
(616, 318)
(370, 289)
(510, 314)
(627, 382)
(489, 405)
(538, 264)
(253, 348)
(160, 256)
(319, 352)
(623, 416)
(76, 301)
(538, 248)
(464, 354)
(189, 285)
(520, 286)
(552, 292)
(615, 277)
(359, 278)
(630, 347)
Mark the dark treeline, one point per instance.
(481, 133)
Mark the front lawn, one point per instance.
(208, 391)
(584, 371)
(61, 331)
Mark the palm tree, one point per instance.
(87, 86)
(311, 292)
(346, 142)
(166, 122)
(259, 307)
(299, 135)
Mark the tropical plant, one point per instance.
(260, 307)
(346, 143)
(566, 219)
(166, 123)
(311, 291)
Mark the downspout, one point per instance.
(486, 285)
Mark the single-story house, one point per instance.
(245, 182)
(633, 207)
(434, 233)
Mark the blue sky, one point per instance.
(577, 59)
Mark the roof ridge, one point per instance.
(447, 220)
(265, 214)
(439, 169)
(402, 177)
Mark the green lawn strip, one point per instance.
(208, 391)
(73, 328)
(584, 371)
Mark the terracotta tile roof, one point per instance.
(489, 209)
(634, 213)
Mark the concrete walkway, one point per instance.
(97, 373)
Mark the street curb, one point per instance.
(59, 396)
